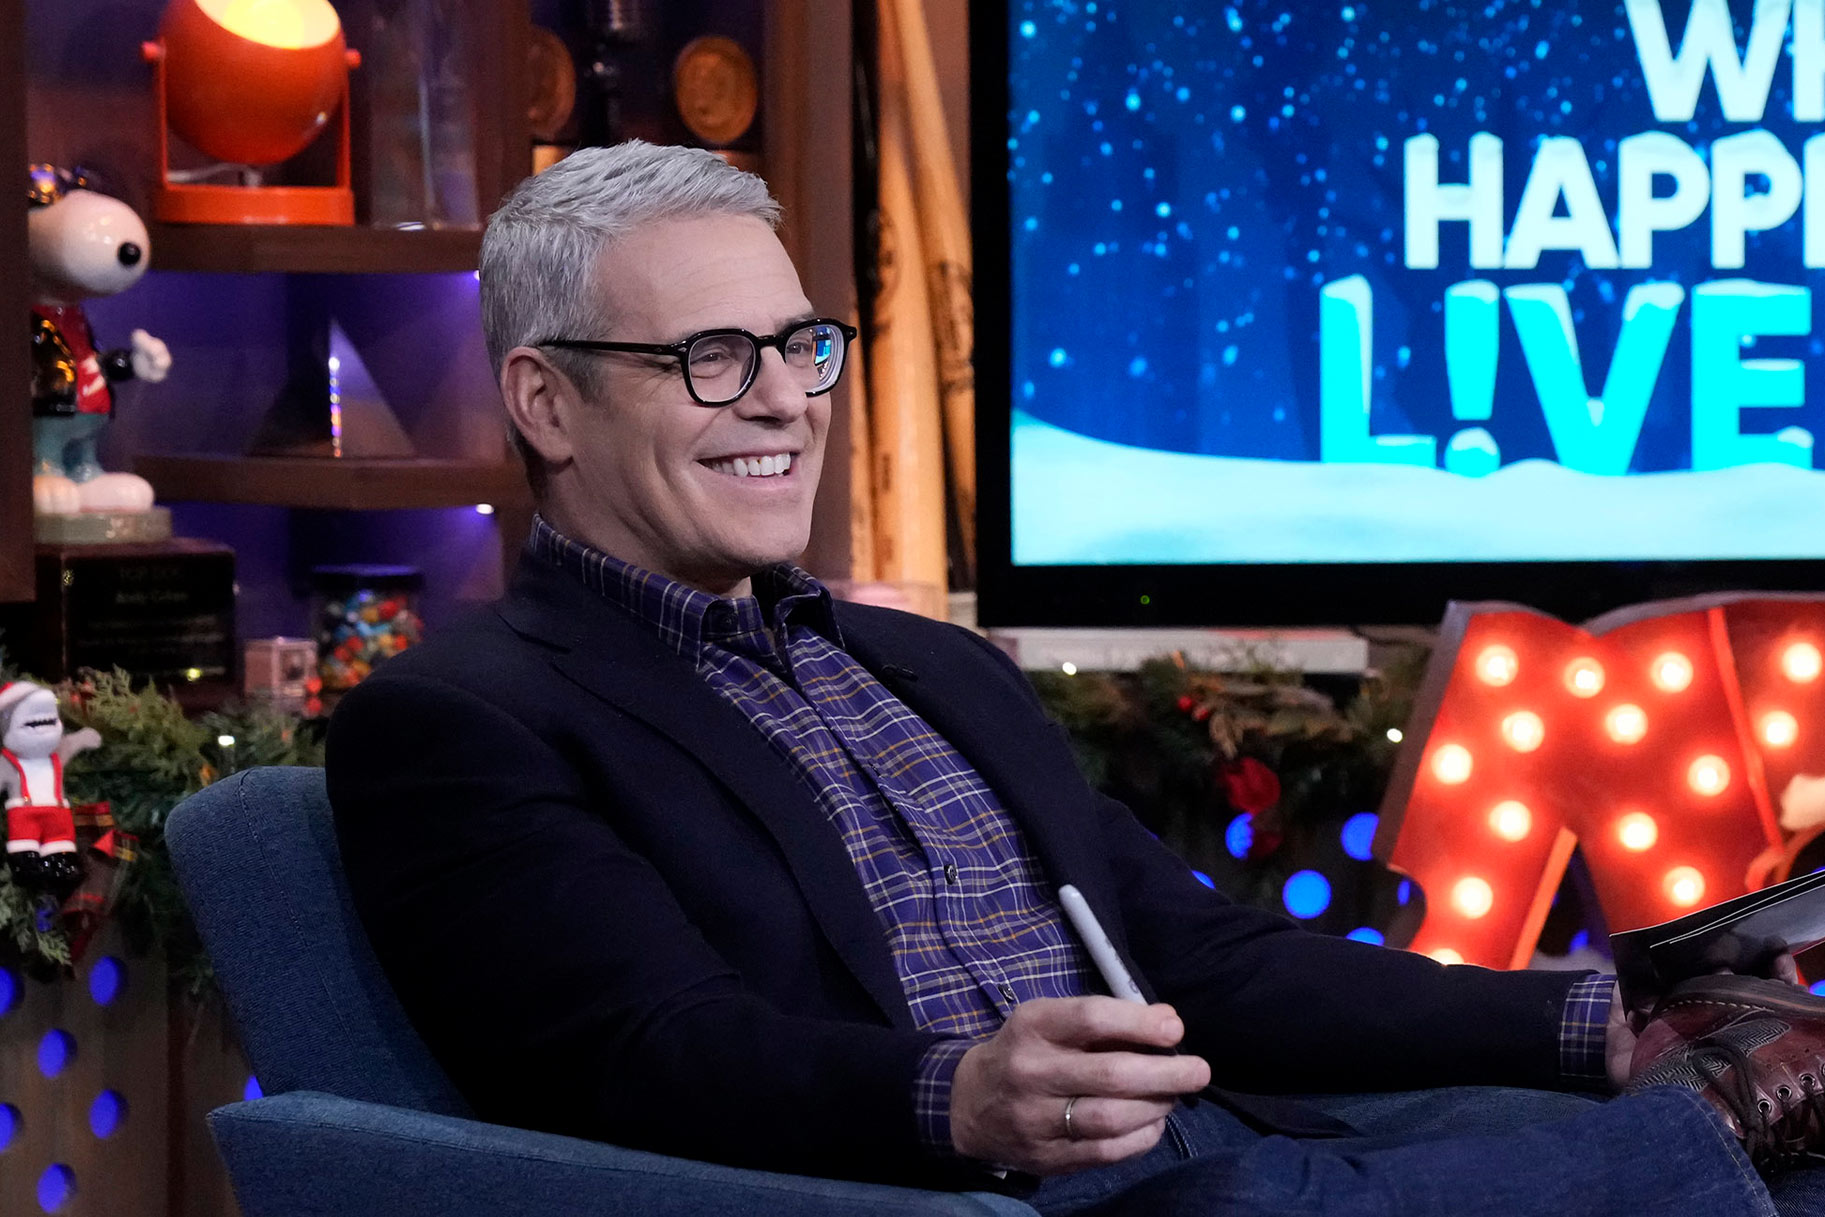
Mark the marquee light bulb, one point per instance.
(1446, 955)
(1451, 764)
(1473, 897)
(1626, 724)
(1523, 730)
(1511, 820)
(1778, 729)
(1637, 831)
(1801, 662)
(1708, 775)
(1584, 677)
(1497, 665)
(1671, 672)
(1684, 886)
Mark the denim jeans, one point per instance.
(1458, 1152)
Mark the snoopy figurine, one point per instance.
(40, 825)
(82, 244)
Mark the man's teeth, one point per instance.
(754, 466)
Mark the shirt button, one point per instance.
(1007, 991)
(950, 873)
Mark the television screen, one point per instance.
(1371, 305)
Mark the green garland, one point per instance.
(1159, 739)
(152, 756)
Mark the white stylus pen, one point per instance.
(1096, 941)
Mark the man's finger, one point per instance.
(1069, 1156)
(1127, 1075)
(1094, 1119)
(1083, 1022)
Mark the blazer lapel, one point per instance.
(614, 657)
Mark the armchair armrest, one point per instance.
(304, 1154)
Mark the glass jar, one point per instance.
(361, 615)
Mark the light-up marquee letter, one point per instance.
(1657, 739)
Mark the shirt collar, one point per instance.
(685, 618)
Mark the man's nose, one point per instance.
(776, 392)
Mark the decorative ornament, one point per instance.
(40, 827)
(1249, 785)
(84, 244)
(716, 88)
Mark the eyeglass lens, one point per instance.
(722, 365)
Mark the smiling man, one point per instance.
(669, 849)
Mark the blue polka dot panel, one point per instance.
(1239, 836)
(1366, 933)
(1306, 894)
(56, 1051)
(11, 990)
(1358, 835)
(1205, 879)
(252, 1090)
(56, 1188)
(106, 979)
(9, 1126)
(107, 1113)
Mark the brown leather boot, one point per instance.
(1754, 1049)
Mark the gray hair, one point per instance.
(540, 251)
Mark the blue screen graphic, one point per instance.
(1350, 282)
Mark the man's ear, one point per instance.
(540, 401)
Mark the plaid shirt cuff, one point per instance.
(1584, 1033)
(932, 1093)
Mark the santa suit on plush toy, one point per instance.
(40, 827)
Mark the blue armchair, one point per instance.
(359, 1119)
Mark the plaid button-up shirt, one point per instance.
(972, 927)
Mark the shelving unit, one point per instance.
(254, 249)
(328, 484)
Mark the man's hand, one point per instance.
(1619, 1039)
(1009, 1093)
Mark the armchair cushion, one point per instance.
(305, 1154)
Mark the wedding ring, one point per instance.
(1070, 1128)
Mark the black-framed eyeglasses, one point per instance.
(720, 365)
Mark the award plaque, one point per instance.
(163, 611)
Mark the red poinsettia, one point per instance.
(1249, 785)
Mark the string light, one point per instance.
(1801, 662)
(1523, 730)
(1497, 665)
(1708, 775)
(1446, 955)
(1451, 764)
(1779, 729)
(1671, 672)
(1684, 886)
(1626, 724)
(1584, 677)
(1473, 897)
(1637, 831)
(1511, 820)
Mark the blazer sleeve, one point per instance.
(1279, 1009)
(556, 978)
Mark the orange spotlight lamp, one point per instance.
(251, 83)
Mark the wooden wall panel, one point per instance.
(15, 365)
(807, 86)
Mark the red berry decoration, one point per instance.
(1185, 704)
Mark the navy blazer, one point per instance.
(614, 911)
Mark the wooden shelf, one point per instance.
(330, 484)
(308, 249)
